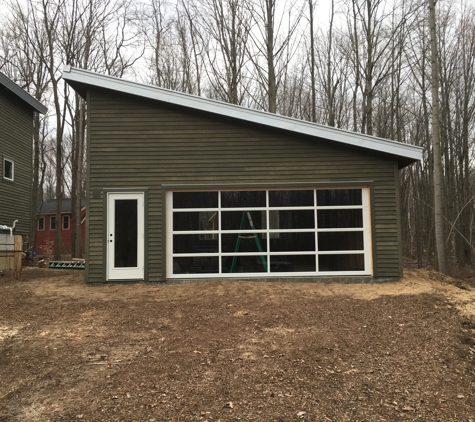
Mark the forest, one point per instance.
(362, 65)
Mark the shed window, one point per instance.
(8, 169)
(232, 233)
(41, 223)
(65, 222)
(52, 223)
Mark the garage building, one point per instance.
(182, 187)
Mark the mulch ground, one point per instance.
(226, 351)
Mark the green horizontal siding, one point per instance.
(16, 140)
(135, 143)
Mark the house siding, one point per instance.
(136, 143)
(16, 139)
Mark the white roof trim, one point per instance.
(410, 152)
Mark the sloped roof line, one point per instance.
(49, 206)
(22, 94)
(409, 153)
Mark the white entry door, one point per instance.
(125, 236)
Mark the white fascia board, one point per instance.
(86, 77)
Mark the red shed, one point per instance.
(45, 231)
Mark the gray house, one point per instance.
(181, 187)
(16, 145)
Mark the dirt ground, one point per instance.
(228, 351)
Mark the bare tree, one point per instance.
(100, 33)
(311, 7)
(465, 105)
(189, 36)
(372, 30)
(273, 45)
(21, 63)
(438, 175)
(228, 23)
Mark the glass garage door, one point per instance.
(268, 232)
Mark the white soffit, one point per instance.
(409, 152)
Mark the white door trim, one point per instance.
(125, 273)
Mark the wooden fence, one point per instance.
(10, 252)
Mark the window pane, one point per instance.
(8, 169)
(339, 219)
(203, 220)
(244, 264)
(334, 197)
(340, 241)
(291, 198)
(195, 243)
(125, 229)
(41, 224)
(52, 223)
(291, 219)
(292, 263)
(243, 242)
(195, 199)
(243, 199)
(241, 220)
(353, 262)
(284, 242)
(196, 265)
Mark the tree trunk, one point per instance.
(272, 83)
(312, 62)
(357, 70)
(438, 174)
(36, 186)
(79, 193)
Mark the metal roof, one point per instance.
(22, 94)
(81, 79)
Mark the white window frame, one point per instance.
(5, 159)
(44, 222)
(50, 222)
(268, 234)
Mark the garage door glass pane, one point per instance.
(292, 219)
(339, 219)
(246, 242)
(189, 221)
(347, 262)
(339, 197)
(244, 264)
(292, 263)
(195, 199)
(291, 198)
(286, 242)
(243, 199)
(340, 241)
(195, 243)
(241, 220)
(196, 265)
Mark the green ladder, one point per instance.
(238, 242)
